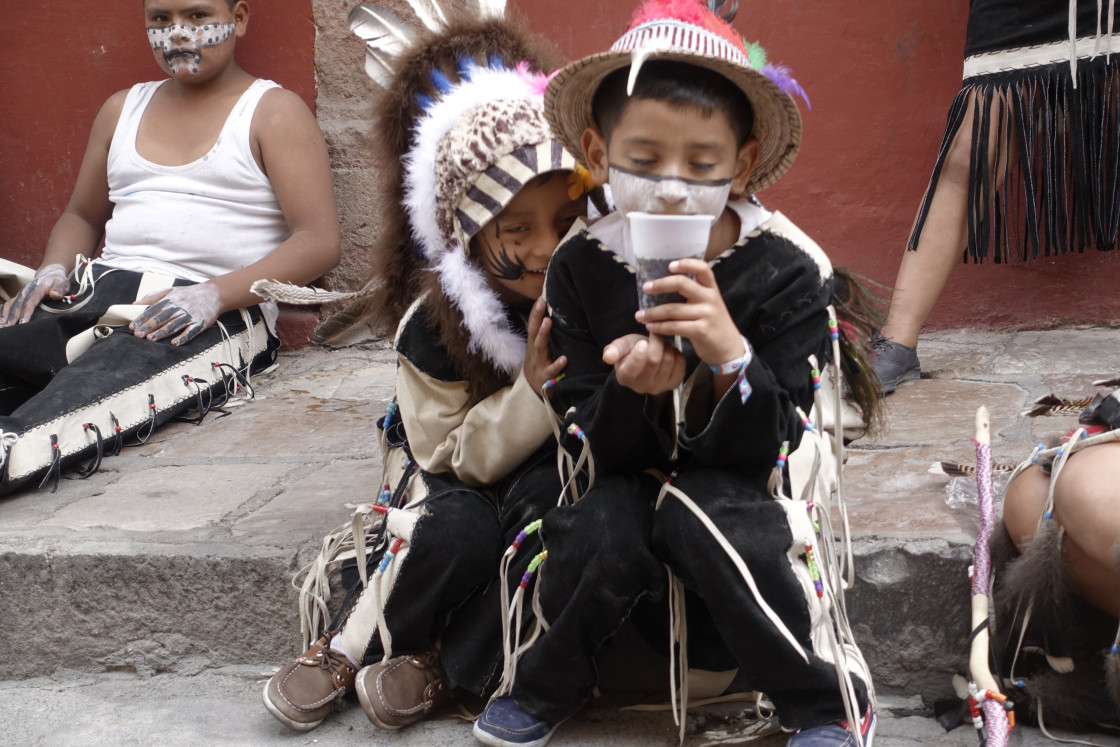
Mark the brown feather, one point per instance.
(957, 469)
(1051, 404)
(1072, 701)
(1038, 578)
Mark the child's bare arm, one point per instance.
(293, 155)
(81, 225)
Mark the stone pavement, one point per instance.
(149, 602)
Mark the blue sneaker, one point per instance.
(504, 724)
(835, 734)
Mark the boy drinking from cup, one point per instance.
(678, 121)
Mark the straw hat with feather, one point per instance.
(686, 31)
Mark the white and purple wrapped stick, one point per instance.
(995, 717)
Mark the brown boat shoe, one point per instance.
(305, 689)
(403, 690)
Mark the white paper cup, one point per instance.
(660, 239)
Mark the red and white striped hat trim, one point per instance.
(672, 35)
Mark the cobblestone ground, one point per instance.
(149, 603)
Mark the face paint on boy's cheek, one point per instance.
(182, 45)
(651, 193)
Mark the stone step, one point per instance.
(178, 554)
(177, 557)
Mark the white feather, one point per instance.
(488, 8)
(386, 36)
(378, 68)
(272, 290)
(429, 12)
(373, 23)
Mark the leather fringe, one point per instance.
(1044, 161)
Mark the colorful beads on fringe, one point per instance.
(576, 431)
(808, 424)
(390, 555)
(814, 571)
(833, 329)
(390, 411)
(783, 455)
(534, 564)
(531, 527)
(816, 374)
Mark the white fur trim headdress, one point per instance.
(476, 144)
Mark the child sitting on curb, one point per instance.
(486, 193)
(200, 184)
(678, 120)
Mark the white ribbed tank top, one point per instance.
(195, 221)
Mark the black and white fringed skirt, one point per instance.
(1042, 93)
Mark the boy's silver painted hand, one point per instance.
(539, 366)
(185, 310)
(645, 364)
(703, 318)
(48, 281)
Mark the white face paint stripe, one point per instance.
(639, 193)
(182, 45)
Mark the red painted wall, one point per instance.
(60, 61)
(880, 76)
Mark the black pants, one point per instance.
(452, 553)
(607, 554)
(446, 588)
(114, 382)
(472, 643)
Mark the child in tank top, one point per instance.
(200, 184)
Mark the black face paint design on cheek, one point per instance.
(499, 263)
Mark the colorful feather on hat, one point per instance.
(695, 12)
(779, 75)
(756, 55)
(784, 80)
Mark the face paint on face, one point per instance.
(182, 45)
(514, 248)
(640, 192)
(498, 261)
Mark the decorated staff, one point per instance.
(984, 695)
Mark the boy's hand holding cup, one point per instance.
(685, 300)
(660, 239)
